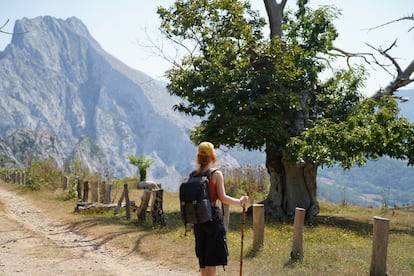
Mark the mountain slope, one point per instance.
(56, 77)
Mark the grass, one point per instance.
(337, 242)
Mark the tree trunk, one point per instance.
(291, 186)
(275, 14)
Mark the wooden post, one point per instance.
(85, 191)
(142, 209)
(226, 219)
(258, 226)
(102, 191)
(379, 247)
(65, 183)
(94, 191)
(297, 249)
(18, 178)
(156, 208)
(79, 188)
(108, 193)
(119, 206)
(127, 202)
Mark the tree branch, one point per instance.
(4, 32)
(410, 17)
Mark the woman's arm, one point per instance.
(221, 192)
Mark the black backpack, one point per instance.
(195, 203)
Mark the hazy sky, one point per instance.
(122, 27)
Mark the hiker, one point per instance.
(210, 237)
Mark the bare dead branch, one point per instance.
(402, 79)
(385, 54)
(410, 17)
(4, 32)
(349, 55)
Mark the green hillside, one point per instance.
(385, 181)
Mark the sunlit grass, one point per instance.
(337, 242)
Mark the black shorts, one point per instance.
(210, 241)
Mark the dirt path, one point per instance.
(31, 243)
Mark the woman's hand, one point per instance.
(244, 200)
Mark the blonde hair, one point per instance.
(203, 160)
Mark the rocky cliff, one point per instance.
(57, 79)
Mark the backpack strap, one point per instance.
(210, 171)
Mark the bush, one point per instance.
(43, 174)
(252, 180)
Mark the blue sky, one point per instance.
(122, 27)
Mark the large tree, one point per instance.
(266, 93)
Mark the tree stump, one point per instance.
(156, 210)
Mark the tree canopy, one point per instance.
(273, 93)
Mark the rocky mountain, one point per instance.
(59, 86)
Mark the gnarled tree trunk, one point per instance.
(291, 186)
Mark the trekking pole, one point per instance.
(242, 238)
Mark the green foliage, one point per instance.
(142, 164)
(269, 94)
(249, 90)
(372, 130)
(42, 174)
(72, 190)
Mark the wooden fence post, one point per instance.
(142, 209)
(79, 188)
(297, 249)
(258, 226)
(102, 191)
(127, 202)
(226, 218)
(119, 206)
(85, 191)
(65, 183)
(108, 193)
(379, 247)
(94, 191)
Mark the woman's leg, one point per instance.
(208, 271)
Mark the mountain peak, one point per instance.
(43, 24)
(57, 77)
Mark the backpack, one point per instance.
(195, 203)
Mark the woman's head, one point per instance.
(206, 154)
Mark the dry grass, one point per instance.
(337, 242)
